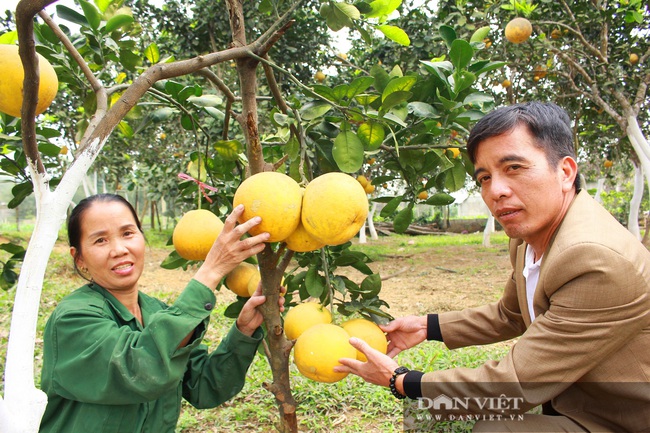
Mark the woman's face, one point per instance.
(111, 246)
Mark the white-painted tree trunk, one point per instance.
(489, 229)
(23, 404)
(635, 203)
(599, 190)
(642, 149)
(371, 224)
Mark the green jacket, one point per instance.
(104, 372)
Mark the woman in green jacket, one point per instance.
(117, 360)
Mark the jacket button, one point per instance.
(208, 306)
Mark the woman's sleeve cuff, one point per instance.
(412, 384)
(433, 328)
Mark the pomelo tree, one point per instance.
(307, 129)
(592, 59)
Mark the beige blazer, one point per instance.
(588, 350)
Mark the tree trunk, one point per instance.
(635, 203)
(24, 404)
(371, 223)
(489, 229)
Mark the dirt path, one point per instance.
(414, 281)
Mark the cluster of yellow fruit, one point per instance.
(11, 82)
(320, 343)
(329, 211)
(368, 187)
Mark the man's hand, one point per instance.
(404, 333)
(377, 370)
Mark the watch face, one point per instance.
(401, 370)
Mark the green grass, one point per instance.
(386, 246)
(348, 406)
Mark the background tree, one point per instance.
(591, 58)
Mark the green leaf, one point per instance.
(12, 248)
(359, 86)
(118, 21)
(394, 99)
(92, 14)
(173, 261)
(265, 7)
(398, 84)
(9, 38)
(205, 100)
(187, 122)
(440, 199)
(422, 109)
(395, 34)
(232, 311)
(313, 110)
(391, 206)
(49, 149)
(152, 54)
(229, 149)
(348, 152)
(463, 80)
(314, 283)
(103, 4)
(448, 34)
(20, 192)
(366, 99)
(403, 219)
(482, 67)
(162, 114)
(381, 77)
(460, 54)
(381, 8)
(480, 34)
(371, 134)
(349, 10)
(455, 178)
(478, 98)
(125, 129)
(65, 13)
(371, 286)
(214, 113)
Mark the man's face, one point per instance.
(526, 196)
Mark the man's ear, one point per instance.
(569, 168)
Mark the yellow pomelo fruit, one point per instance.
(237, 279)
(301, 241)
(195, 233)
(334, 208)
(518, 30)
(303, 316)
(11, 82)
(367, 331)
(318, 350)
(253, 282)
(276, 198)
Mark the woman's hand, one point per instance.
(250, 318)
(404, 333)
(229, 249)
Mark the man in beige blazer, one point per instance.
(578, 299)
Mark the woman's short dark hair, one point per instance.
(76, 216)
(549, 125)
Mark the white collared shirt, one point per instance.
(531, 273)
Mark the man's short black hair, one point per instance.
(548, 123)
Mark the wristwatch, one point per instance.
(391, 382)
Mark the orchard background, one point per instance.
(217, 92)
